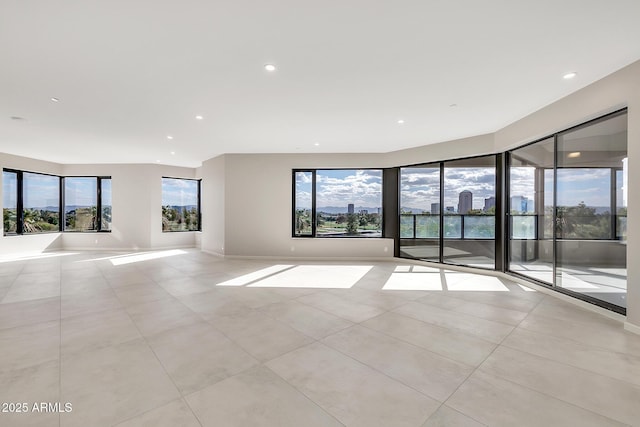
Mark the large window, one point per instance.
(105, 198)
(32, 203)
(420, 212)
(337, 203)
(568, 210)
(83, 204)
(41, 203)
(448, 212)
(531, 210)
(10, 201)
(590, 203)
(180, 204)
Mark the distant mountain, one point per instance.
(179, 207)
(44, 208)
(414, 210)
(343, 209)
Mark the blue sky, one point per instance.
(339, 188)
(179, 192)
(420, 186)
(43, 190)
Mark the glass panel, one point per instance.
(621, 201)
(349, 203)
(304, 187)
(9, 201)
(531, 211)
(452, 226)
(407, 227)
(106, 203)
(41, 194)
(420, 212)
(591, 259)
(179, 204)
(80, 203)
(470, 208)
(479, 227)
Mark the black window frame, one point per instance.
(554, 235)
(499, 225)
(61, 219)
(314, 234)
(99, 180)
(199, 204)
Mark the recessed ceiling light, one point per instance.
(55, 99)
(573, 155)
(157, 161)
(199, 117)
(270, 67)
(173, 153)
(316, 144)
(570, 75)
(16, 118)
(400, 122)
(453, 105)
(169, 137)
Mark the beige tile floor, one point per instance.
(181, 338)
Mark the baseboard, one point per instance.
(97, 249)
(630, 327)
(216, 254)
(308, 259)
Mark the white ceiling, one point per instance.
(129, 73)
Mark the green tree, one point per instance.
(352, 224)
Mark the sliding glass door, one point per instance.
(568, 209)
(530, 211)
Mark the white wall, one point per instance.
(137, 201)
(257, 207)
(473, 146)
(213, 205)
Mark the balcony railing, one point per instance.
(426, 226)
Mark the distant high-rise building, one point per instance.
(435, 208)
(363, 212)
(379, 211)
(450, 209)
(489, 202)
(519, 203)
(531, 207)
(465, 202)
(350, 208)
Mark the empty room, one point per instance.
(285, 213)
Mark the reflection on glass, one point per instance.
(469, 212)
(349, 203)
(80, 203)
(10, 201)
(591, 210)
(105, 197)
(304, 186)
(420, 212)
(41, 194)
(180, 205)
(531, 210)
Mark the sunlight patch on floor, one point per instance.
(245, 279)
(316, 276)
(414, 282)
(144, 256)
(23, 257)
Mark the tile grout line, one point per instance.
(476, 368)
(144, 338)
